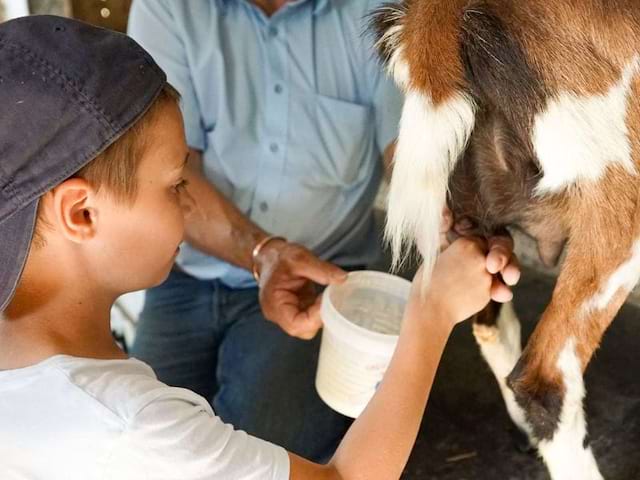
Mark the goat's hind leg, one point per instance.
(498, 334)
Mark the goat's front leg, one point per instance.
(602, 265)
(551, 393)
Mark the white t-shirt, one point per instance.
(71, 418)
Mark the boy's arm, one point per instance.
(379, 443)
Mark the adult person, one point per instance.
(288, 116)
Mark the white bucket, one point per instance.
(362, 319)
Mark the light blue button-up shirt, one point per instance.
(292, 113)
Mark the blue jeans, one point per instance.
(214, 340)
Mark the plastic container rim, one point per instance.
(334, 320)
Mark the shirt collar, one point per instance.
(320, 6)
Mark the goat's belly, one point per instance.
(490, 209)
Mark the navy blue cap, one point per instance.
(68, 90)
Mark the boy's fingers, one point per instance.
(511, 273)
(447, 221)
(497, 259)
(500, 292)
(481, 243)
(504, 241)
(500, 252)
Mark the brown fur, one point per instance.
(435, 66)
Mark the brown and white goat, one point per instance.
(526, 113)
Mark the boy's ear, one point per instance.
(74, 209)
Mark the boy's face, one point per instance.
(136, 245)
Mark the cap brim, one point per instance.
(15, 241)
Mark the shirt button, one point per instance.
(278, 89)
(273, 32)
(264, 207)
(274, 148)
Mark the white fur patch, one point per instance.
(398, 68)
(565, 454)
(502, 351)
(624, 278)
(577, 138)
(431, 138)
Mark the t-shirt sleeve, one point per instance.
(180, 438)
(153, 25)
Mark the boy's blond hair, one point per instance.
(116, 168)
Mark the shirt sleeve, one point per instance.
(387, 99)
(174, 437)
(153, 25)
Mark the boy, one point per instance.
(92, 201)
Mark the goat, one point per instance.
(525, 114)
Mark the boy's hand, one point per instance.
(288, 296)
(501, 260)
(460, 284)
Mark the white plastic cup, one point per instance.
(362, 319)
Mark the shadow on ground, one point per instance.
(466, 434)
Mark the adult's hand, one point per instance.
(288, 295)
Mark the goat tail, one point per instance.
(386, 25)
(431, 139)
(419, 44)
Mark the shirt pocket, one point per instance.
(330, 140)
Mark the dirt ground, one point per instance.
(466, 434)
